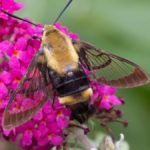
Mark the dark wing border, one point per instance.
(104, 64)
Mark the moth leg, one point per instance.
(36, 37)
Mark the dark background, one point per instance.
(120, 26)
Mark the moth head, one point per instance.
(49, 29)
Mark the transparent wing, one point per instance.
(30, 95)
(109, 68)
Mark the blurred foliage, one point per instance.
(121, 26)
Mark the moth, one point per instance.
(58, 69)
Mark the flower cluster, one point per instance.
(46, 127)
(17, 47)
(104, 96)
(9, 6)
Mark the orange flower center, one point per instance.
(106, 97)
(17, 108)
(49, 136)
(1, 101)
(59, 113)
(17, 80)
(16, 53)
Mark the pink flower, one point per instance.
(5, 77)
(104, 96)
(9, 6)
(53, 136)
(3, 102)
(6, 47)
(3, 90)
(66, 31)
(27, 138)
(108, 101)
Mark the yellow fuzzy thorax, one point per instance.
(58, 50)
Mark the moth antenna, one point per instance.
(16, 17)
(67, 5)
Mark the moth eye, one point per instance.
(47, 33)
(50, 31)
